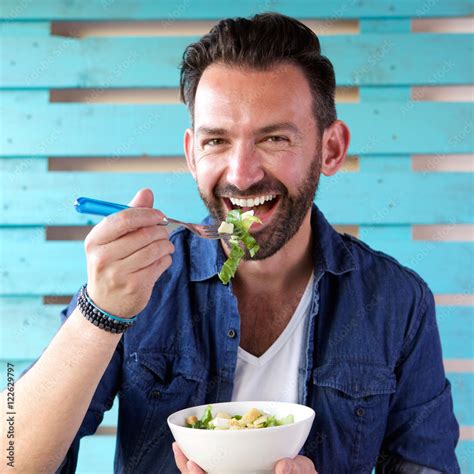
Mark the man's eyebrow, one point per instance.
(279, 126)
(267, 129)
(210, 131)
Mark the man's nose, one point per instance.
(244, 167)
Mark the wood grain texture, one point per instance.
(446, 266)
(32, 195)
(462, 385)
(376, 127)
(384, 197)
(44, 61)
(170, 11)
(29, 325)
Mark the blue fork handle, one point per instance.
(86, 205)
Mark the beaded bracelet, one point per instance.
(101, 318)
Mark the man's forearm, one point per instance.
(52, 398)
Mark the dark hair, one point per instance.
(263, 41)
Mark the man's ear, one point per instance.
(335, 143)
(189, 150)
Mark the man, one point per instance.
(316, 317)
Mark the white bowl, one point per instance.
(242, 451)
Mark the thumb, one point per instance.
(143, 198)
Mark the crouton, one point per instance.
(251, 416)
(190, 420)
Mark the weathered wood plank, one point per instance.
(79, 129)
(462, 388)
(383, 194)
(446, 266)
(169, 11)
(465, 455)
(462, 384)
(369, 59)
(456, 327)
(96, 454)
(28, 325)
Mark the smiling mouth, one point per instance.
(263, 206)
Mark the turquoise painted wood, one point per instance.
(465, 454)
(456, 327)
(462, 384)
(446, 266)
(91, 461)
(111, 416)
(96, 454)
(370, 59)
(169, 10)
(32, 195)
(29, 325)
(377, 128)
(384, 198)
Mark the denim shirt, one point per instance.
(371, 368)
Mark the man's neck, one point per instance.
(280, 272)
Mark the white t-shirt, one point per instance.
(274, 375)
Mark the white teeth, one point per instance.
(253, 201)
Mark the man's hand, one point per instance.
(299, 465)
(126, 253)
(184, 465)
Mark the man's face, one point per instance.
(255, 146)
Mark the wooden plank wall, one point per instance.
(89, 106)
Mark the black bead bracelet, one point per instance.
(100, 318)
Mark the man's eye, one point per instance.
(214, 142)
(276, 138)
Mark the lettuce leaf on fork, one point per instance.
(237, 223)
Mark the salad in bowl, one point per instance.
(241, 437)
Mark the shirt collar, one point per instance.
(329, 249)
(330, 252)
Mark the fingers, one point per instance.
(179, 458)
(145, 256)
(298, 465)
(133, 241)
(143, 198)
(123, 222)
(182, 462)
(150, 274)
(285, 466)
(305, 464)
(193, 468)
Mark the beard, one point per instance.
(287, 219)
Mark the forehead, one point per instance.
(239, 96)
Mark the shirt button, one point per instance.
(360, 412)
(155, 394)
(231, 333)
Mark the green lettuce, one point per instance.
(241, 222)
(203, 423)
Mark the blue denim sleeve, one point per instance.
(101, 401)
(421, 426)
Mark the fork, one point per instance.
(86, 205)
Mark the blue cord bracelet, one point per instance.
(111, 316)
